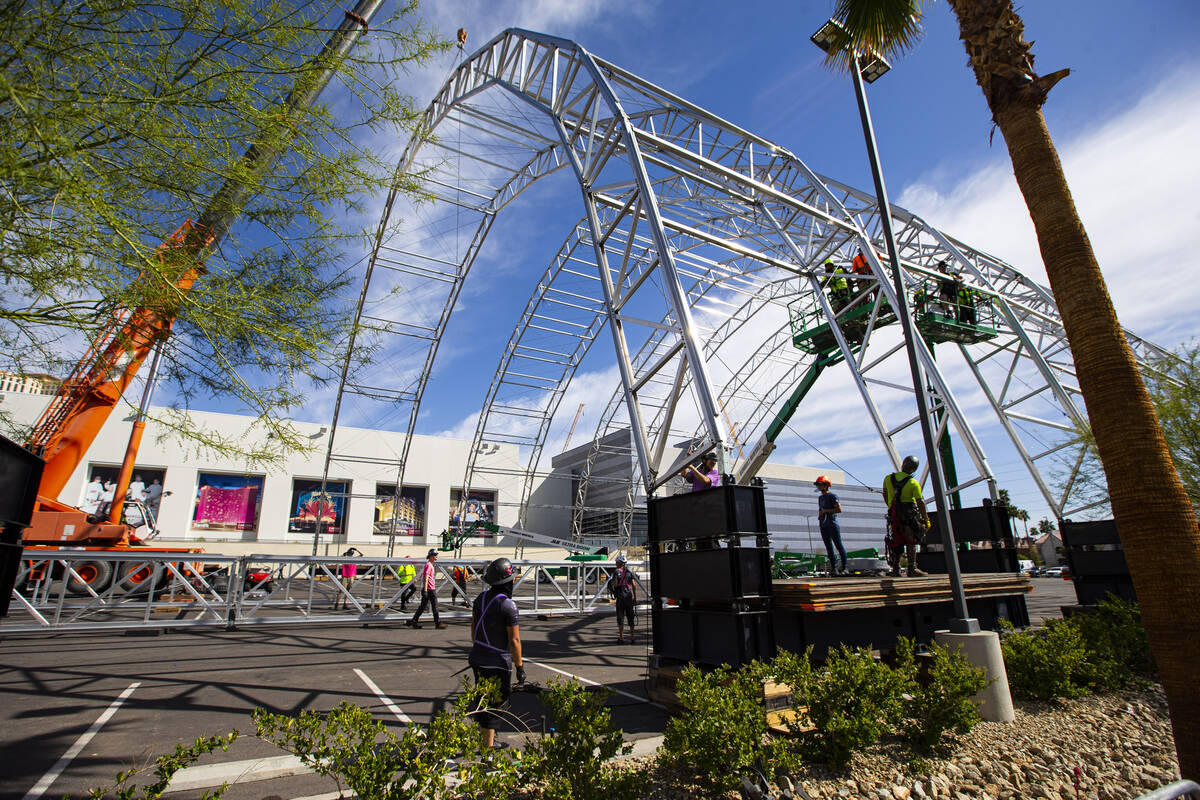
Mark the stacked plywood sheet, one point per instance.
(839, 594)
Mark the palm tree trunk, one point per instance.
(1154, 517)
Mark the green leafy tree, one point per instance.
(1158, 527)
(123, 120)
(1044, 526)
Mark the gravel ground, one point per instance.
(1112, 747)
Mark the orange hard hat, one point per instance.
(822, 479)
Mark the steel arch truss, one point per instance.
(699, 250)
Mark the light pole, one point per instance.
(870, 68)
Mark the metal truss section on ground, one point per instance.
(60, 592)
(701, 250)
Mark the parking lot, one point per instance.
(176, 686)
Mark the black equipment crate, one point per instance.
(986, 523)
(713, 637)
(879, 628)
(20, 474)
(1096, 559)
(679, 569)
(709, 512)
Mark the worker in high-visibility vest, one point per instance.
(860, 267)
(966, 304)
(839, 291)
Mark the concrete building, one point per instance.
(279, 509)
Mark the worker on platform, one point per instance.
(707, 476)
(907, 518)
(947, 289)
(496, 638)
(966, 304)
(839, 291)
(624, 591)
(862, 268)
(828, 507)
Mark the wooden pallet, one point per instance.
(836, 594)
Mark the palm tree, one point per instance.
(1157, 526)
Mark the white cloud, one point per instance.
(1133, 179)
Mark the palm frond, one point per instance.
(888, 27)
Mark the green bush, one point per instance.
(1044, 664)
(571, 764)
(723, 729)
(362, 755)
(1116, 645)
(852, 701)
(165, 768)
(941, 702)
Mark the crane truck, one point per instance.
(89, 394)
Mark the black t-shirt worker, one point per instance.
(496, 638)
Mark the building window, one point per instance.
(227, 502)
(312, 508)
(403, 518)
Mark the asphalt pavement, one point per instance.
(77, 709)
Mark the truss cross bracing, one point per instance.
(698, 259)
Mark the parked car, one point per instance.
(1051, 572)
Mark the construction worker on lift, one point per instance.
(839, 292)
(860, 267)
(907, 518)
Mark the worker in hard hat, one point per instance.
(496, 640)
(907, 518)
(828, 507)
(839, 290)
(624, 591)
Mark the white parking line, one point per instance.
(50, 777)
(594, 683)
(387, 701)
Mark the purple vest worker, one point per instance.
(707, 476)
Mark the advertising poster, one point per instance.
(477, 506)
(405, 517)
(313, 511)
(227, 502)
(145, 484)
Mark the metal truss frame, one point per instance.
(698, 244)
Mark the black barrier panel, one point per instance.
(986, 523)
(10, 562)
(1080, 534)
(709, 512)
(985, 559)
(20, 474)
(1096, 560)
(724, 573)
(713, 637)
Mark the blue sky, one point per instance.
(1126, 122)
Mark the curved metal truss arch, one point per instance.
(700, 251)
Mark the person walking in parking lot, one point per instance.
(496, 639)
(428, 593)
(624, 592)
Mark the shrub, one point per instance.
(362, 755)
(722, 730)
(852, 701)
(1116, 645)
(1044, 664)
(942, 702)
(571, 764)
(165, 768)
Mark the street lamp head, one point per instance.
(832, 36)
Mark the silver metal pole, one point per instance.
(963, 622)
